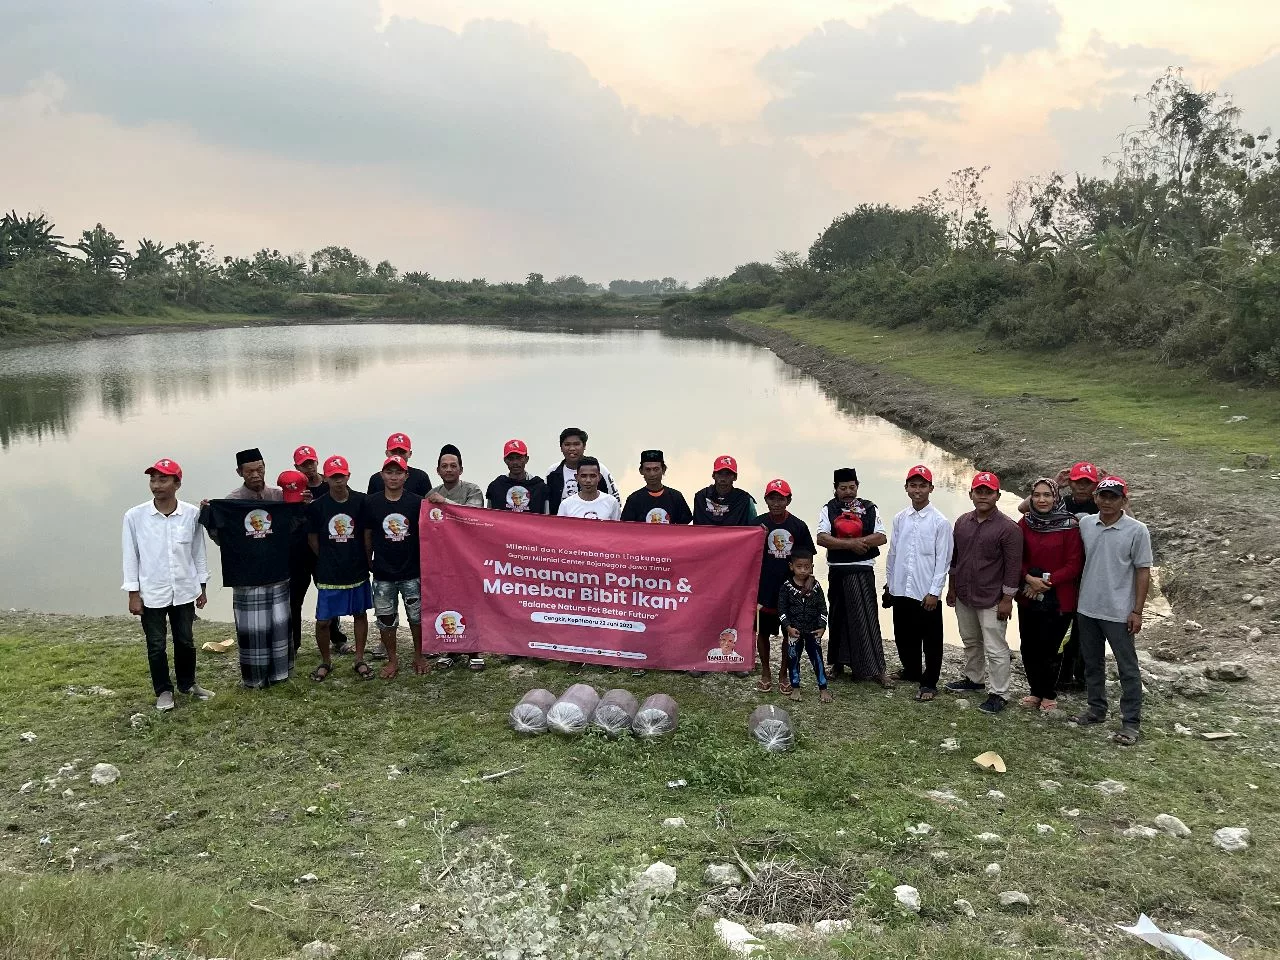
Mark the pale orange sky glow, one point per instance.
(623, 139)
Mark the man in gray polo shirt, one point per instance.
(1113, 589)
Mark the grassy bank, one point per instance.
(222, 807)
(1111, 390)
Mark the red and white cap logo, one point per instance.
(1083, 471)
(988, 480)
(515, 446)
(725, 462)
(303, 454)
(165, 466)
(778, 486)
(399, 441)
(921, 471)
(337, 466)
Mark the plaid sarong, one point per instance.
(262, 630)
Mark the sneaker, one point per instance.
(476, 663)
(377, 651)
(993, 704)
(165, 701)
(199, 692)
(964, 685)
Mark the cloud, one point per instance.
(838, 73)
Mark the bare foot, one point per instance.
(421, 666)
(389, 671)
(826, 696)
(794, 694)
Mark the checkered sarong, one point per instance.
(262, 630)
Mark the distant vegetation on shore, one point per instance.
(1176, 253)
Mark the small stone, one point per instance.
(1050, 785)
(1072, 813)
(414, 955)
(401, 824)
(831, 928)
(27, 787)
(1247, 597)
(1184, 731)
(949, 744)
(312, 810)
(783, 931)
(1172, 825)
(1110, 788)
(68, 793)
(1227, 670)
(307, 878)
(920, 830)
(1138, 832)
(703, 912)
(990, 839)
(1014, 900)
(965, 908)
(658, 876)
(939, 855)
(737, 938)
(318, 950)
(992, 870)
(28, 737)
(673, 823)
(1255, 634)
(1257, 603)
(995, 795)
(1044, 829)
(961, 703)
(1191, 687)
(104, 774)
(1256, 461)
(908, 896)
(720, 874)
(1232, 839)
(394, 772)
(943, 796)
(138, 720)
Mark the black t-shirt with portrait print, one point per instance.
(339, 530)
(518, 496)
(255, 539)
(780, 540)
(666, 506)
(394, 524)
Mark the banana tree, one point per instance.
(102, 250)
(151, 257)
(29, 237)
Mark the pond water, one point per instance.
(79, 423)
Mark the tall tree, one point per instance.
(871, 233)
(151, 257)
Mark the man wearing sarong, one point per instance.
(851, 530)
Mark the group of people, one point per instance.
(1077, 564)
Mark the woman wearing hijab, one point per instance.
(852, 532)
(1052, 561)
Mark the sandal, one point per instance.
(764, 685)
(1125, 736)
(363, 670)
(320, 672)
(1088, 720)
(925, 695)
(343, 649)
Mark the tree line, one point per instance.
(1176, 251)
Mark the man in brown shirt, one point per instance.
(985, 570)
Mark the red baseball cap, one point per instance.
(725, 462)
(337, 466)
(1113, 485)
(921, 471)
(515, 446)
(778, 486)
(1083, 471)
(166, 466)
(984, 479)
(399, 441)
(294, 485)
(398, 461)
(303, 454)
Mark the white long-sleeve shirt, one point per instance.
(824, 526)
(920, 549)
(164, 557)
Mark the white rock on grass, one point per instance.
(783, 931)
(673, 823)
(719, 874)
(1172, 825)
(995, 794)
(1072, 813)
(944, 796)
(831, 928)
(1044, 829)
(104, 774)
(962, 703)
(1110, 788)
(1257, 603)
(1014, 900)
(965, 908)
(27, 787)
(920, 830)
(68, 793)
(992, 870)
(318, 950)
(307, 878)
(1232, 839)
(989, 839)
(414, 955)
(908, 896)
(658, 876)
(401, 824)
(1137, 831)
(1255, 634)
(950, 744)
(737, 938)
(1050, 785)
(1183, 730)
(28, 737)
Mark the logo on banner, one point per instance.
(396, 527)
(725, 651)
(257, 524)
(657, 515)
(449, 624)
(779, 543)
(518, 500)
(435, 514)
(341, 528)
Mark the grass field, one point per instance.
(1112, 388)
(221, 807)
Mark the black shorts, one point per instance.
(767, 624)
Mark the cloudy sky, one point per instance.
(610, 138)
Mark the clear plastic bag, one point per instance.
(574, 710)
(657, 716)
(771, 727)
(616, 712)
(529, 716)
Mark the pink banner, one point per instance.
(631, 595)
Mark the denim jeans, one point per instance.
(385, 594)
(180, 620)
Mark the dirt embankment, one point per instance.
(1216, 535)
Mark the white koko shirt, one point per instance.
(603, 507)
(164, 557)
(920, 548)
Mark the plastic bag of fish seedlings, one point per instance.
(572, 713)
(616, 712)
(657, 717)
(529, 716)
(771, 727)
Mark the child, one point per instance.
(802, 612)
